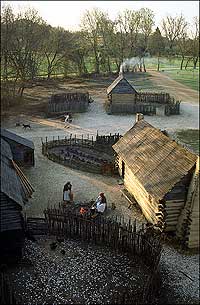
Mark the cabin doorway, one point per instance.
(123, 169)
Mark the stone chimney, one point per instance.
(139, 117)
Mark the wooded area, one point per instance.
(100, 46)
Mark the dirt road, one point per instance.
(178, 90)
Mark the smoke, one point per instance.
(130, 63)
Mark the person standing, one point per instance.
(67, 193)
(67, 117)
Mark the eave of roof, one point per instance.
(116, 82)
(14, 137)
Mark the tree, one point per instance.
(90, 26)
(56, 44)
(173, 28)
(78, 52)
(194, 49)
(24, 46)
(156, 45)
(182, 44)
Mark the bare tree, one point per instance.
(194, 45)
(90, 26)
(56, 44)
(173, 28)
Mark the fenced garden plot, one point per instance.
(87, 153)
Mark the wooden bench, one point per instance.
(128, 197)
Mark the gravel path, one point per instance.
(84, 274)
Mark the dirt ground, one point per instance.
(48, 178)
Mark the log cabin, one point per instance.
(15, 191)
(122, 97)
(158, 173)
(22, 149)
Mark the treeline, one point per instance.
(30, 45)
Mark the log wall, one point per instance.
(146, 202)
(188, 221)
(164, 213)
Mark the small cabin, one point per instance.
(157, 172)
(22, 148)
(122, 97)
(14, 194)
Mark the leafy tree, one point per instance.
(156, 45)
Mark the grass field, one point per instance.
(171, 67)
(190, 137)
(189, 78)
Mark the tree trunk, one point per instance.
(187, 63)
(195, 60)
(108, 63)
(49, 71)
(181, 67)
(158, 67)
(144, 66)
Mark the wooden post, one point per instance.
(70, 139)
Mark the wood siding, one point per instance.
(172, 204)
(22, 154)
(146, 202)
(123, 98)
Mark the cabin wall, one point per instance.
(147, 203)
(123, 98)
(188, 223)
(22, 155)
(175, 201)
(11, 229)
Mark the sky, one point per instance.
(67, 14)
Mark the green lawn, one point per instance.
(190, 137)
(171, 67)
(189, 78)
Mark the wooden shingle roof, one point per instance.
(6, 134)
(157, 161)
(121, 85)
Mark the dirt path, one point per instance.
(181, 92)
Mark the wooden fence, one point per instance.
(114, 233)
(118, 235)
(72, 102)
(147, 103)
(80, 159)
